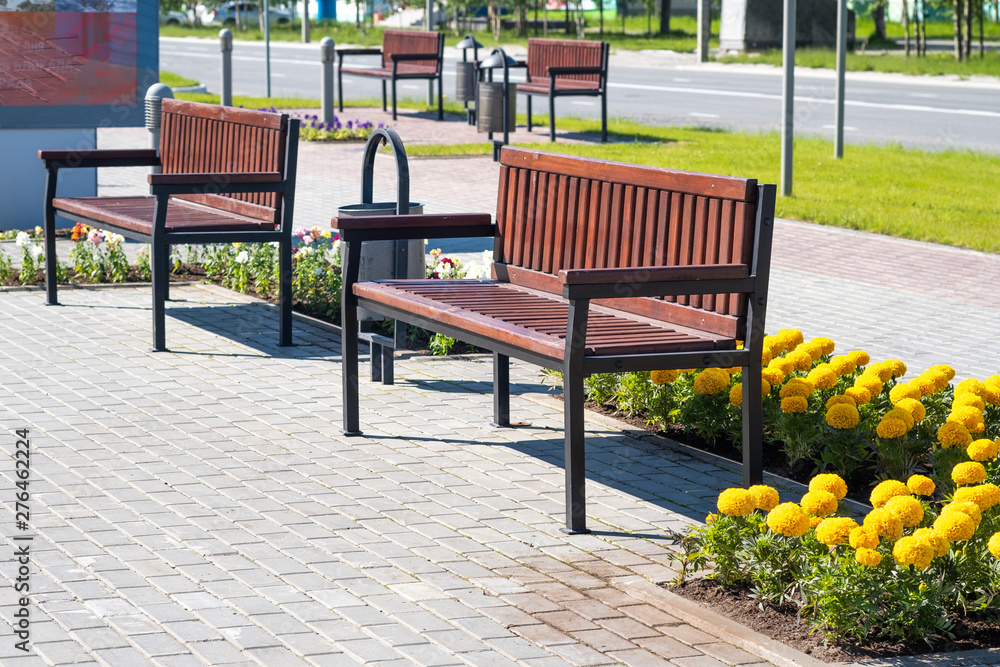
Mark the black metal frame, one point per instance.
(395, 75)
(574, 363)
(601, 91)
(161, 239)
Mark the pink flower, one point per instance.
(307, 239)
(95, 236)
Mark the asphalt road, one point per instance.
(668, 89)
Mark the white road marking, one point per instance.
(703, 115)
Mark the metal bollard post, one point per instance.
(326, 55)
(226, 46)
(154, 105)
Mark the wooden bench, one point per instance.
(406, 54)
(599, 267)
(225, 175)
(566, 67)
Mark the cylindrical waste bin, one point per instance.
(489, 106)
(465, 81)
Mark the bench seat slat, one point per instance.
(136, 214)
(535, 321)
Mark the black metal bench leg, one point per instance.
(285, 292)
(376, 351)
(440, 81)
(501, 389)
(383, 95)
(575, 459)
(340, 90)
(753, 431)
(160, 277)
(51, 287)
(393, 98)
(388, 375)
(529, 113)
(169, 270)
(604, 117)
(552, 117)
(351, 253)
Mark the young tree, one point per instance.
(664, 17)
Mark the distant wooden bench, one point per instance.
(406, 54)
(566, 67)
(599, 267)
(226, 175)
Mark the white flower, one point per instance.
(243, 257)
(308, 250)
(36, 252)
(318, 271)
(113, 239)
(23, 239)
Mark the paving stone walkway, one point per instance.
(201, 506)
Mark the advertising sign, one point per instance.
(76, 63)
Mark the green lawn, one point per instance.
(946, 197)
(934, 64)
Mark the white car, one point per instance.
(174, 18)
(225, 14)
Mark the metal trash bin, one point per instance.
(386, 260)
(489, 107)
(465, 81)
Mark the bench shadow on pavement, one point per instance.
(255, 326)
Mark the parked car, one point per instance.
(225, 14)
(174, 18)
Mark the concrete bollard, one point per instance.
(326, 56)
(226, 46)
(154, 110)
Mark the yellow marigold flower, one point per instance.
(819, 503)
(736, 395)
(792, 338)
(966, 507)
(938, 542)
(911, 551)
(890, 428)
(994, 545)
(711, 381)
(953, 434)
(765, 356)
(839, 398)
(920, 485)
(938, 378)
(984, 495)
(842, 365)
(984, 449)
(863, 537)
(944, 368)
(811, 348)
(774, 376)
(764, 497)
(783, 364)
(822, 377)
(710, 519)
(800, 359)
(970, 472)
(870, 382)
(902, 415)
(736, 502)
(843, 416)
(880, 368)
(908, 509)
(859, 357)
(859, 394)
(826, 345)
(885, 523)
(835, 530)
(788, 519)
(868, 557)
(898, 368)
(968, 416)
(815, 521)
(914, 407)
(663, 377)
(883, 491)
(967, 400)
(904, 390)
(794, 404)
(955, 526)
(796, 387)
(830, 483)
(971, 386)
(926, 384)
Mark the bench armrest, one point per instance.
(413, 56)
(656, 281)
(399, 227)
(566, 71)
(215, 183)
(358, 52)
(74, 158)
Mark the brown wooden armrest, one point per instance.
(566, 71)
(391, 227)
(656, 281)
(214, 178)
(117, 157)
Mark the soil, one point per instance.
(974, 631)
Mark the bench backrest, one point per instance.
(207, 138)
(412, 41)
(562, 212)
(546, 53)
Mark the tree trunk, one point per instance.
(600, 17)
(982, 47)
(957, 4)
(968, 28)
(878, 15)
(906, 29)
(923, 31)
(495, 19)
(665, 16)
(567, 17)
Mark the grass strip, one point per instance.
(947, 197)
(934, 64)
